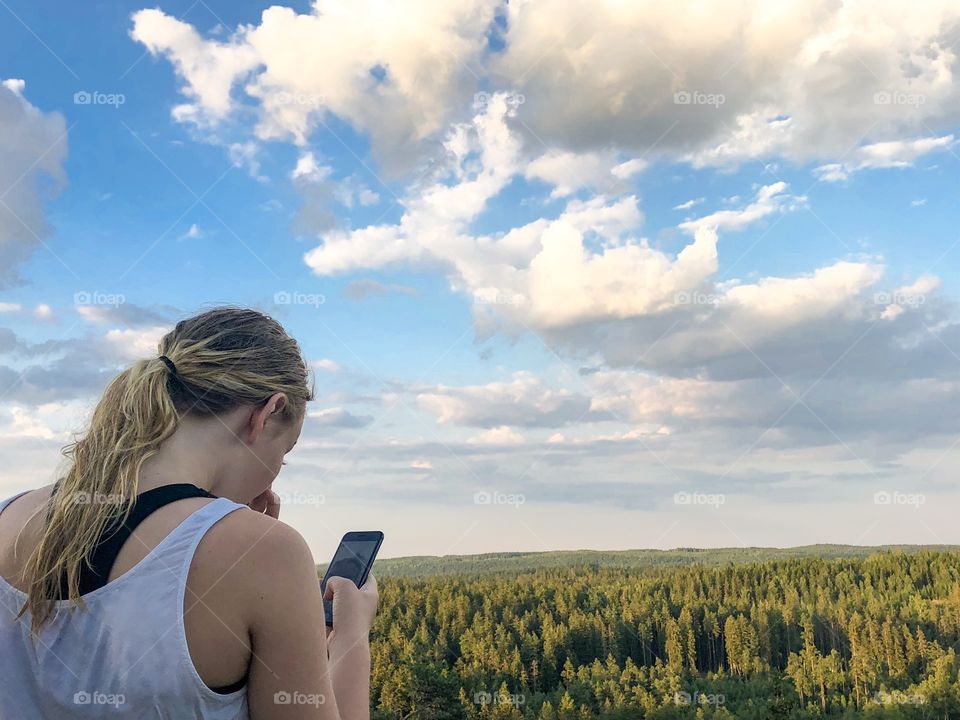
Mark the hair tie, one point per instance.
(169, 363)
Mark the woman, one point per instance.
(154, 579)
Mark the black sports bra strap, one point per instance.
(113, 538)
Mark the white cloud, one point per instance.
(310, 170)
(301, 66)
(524, 401)
(503, 435)
(320, 189)
(338, 417)
(689, 204)
(908, 297)
(757, 134)
(245, 155)
(192, 233)
(93, 313)
(15, 85)
(543, 274)
(209, 68)
(130, 345)
(24, 425)
(351, 192)
(54, 421)
(429, 229)
(892, 154)
(803, 81)
(769, 199)
(568, 172)
(790, 300)
(32, 154)
(586, 282)
(629, 168)
(326, 365)
(368, 197)
(798, 80)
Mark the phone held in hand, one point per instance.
(353, 560)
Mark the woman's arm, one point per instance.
(353, 611)
(291, 675)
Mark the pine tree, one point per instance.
(674, 647)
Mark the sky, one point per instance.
(569, 274)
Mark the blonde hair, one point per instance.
(214, 362)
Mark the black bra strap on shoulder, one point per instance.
(116, 534)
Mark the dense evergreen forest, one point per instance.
(872, 637)
(638, 559)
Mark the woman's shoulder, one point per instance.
(254, 532)
(248, 549)
(29, 499)
(16, 516)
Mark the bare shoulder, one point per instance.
(26, 507)
(30, 500)
(251, 551)
(255, 535)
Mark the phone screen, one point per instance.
(353, 560)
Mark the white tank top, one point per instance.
(126, 655)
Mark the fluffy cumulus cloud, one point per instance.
(802, 80)
(353, 60)
(542, 274)
(799, 79)
(524, 400)
(890, 154)
(32, 152)
(568, 172)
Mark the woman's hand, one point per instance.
(266, 503)
(353, 608)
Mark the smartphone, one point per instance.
(353, 561)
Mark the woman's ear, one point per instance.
(258, 416)
(277, 403)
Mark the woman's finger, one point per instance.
(273, 504)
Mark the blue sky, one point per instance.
(527, 255)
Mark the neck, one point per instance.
(190, 455)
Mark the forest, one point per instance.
(797, 637)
